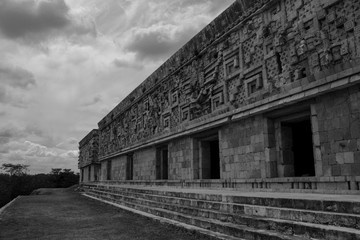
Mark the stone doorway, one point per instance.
(108, 170)
(89, 173)
(210, 158)
(301, 144)
(130, 167)
(162, 163)
(296, 147)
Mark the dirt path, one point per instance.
(65, 214)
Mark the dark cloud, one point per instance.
(125, 64)
(34, 130)
(158, 44)
(72, 141)
(18, 18)
(215, 5)
(37, 134)
(68, 144)
(8, 133)
(35, 21)
(16, 158)
(14, 82)
(5, 135)
(72, 154)
(82, 27)
(16, 77)
(95, 100)
(7, 97)
(3, 149)
(3, 95)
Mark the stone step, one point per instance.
(305, 229)
(309, 216)
(300, 202)
(234, 230)
(164, 192)
(211, 235)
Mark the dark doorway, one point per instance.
(89, 174)
(108, 170)
(165, 163)
(130, 167)
(303, 149)
(210, 158)
(215, 159)
(96, 172)
(162, 163)
(298, 147)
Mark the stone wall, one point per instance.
(275, 83)
(145, 164)
(118, 168)
(96, 172)
(104, 173)
(88, 149)
(255, 50)
(85, 174)
(229, 18)
(242, 151)
(339, 132)
(182, 155)
(90, 173)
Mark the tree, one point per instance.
(15, 169)
(16, 182)
(55, 171)
(63, 177)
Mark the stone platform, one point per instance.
(243, 215)
(63, 214)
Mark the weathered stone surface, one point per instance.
(89, 147)
(88, 157)
(233, 62)
(245, 82)
(257, 216)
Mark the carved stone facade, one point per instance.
(244, 86)
(88, 157)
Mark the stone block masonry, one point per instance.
(267, 96)
(118, 168)
(182, 156)
(242, 149)
(88, 157)
(145, 164)
(339, 131)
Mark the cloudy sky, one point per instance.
(64, 64)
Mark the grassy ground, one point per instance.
(65, 214)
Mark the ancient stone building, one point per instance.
(267, 96)
(88, 158)
(262, 104)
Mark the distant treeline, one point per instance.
(19, 183)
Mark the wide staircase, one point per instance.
(226, 214)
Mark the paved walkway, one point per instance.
(65, 214)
